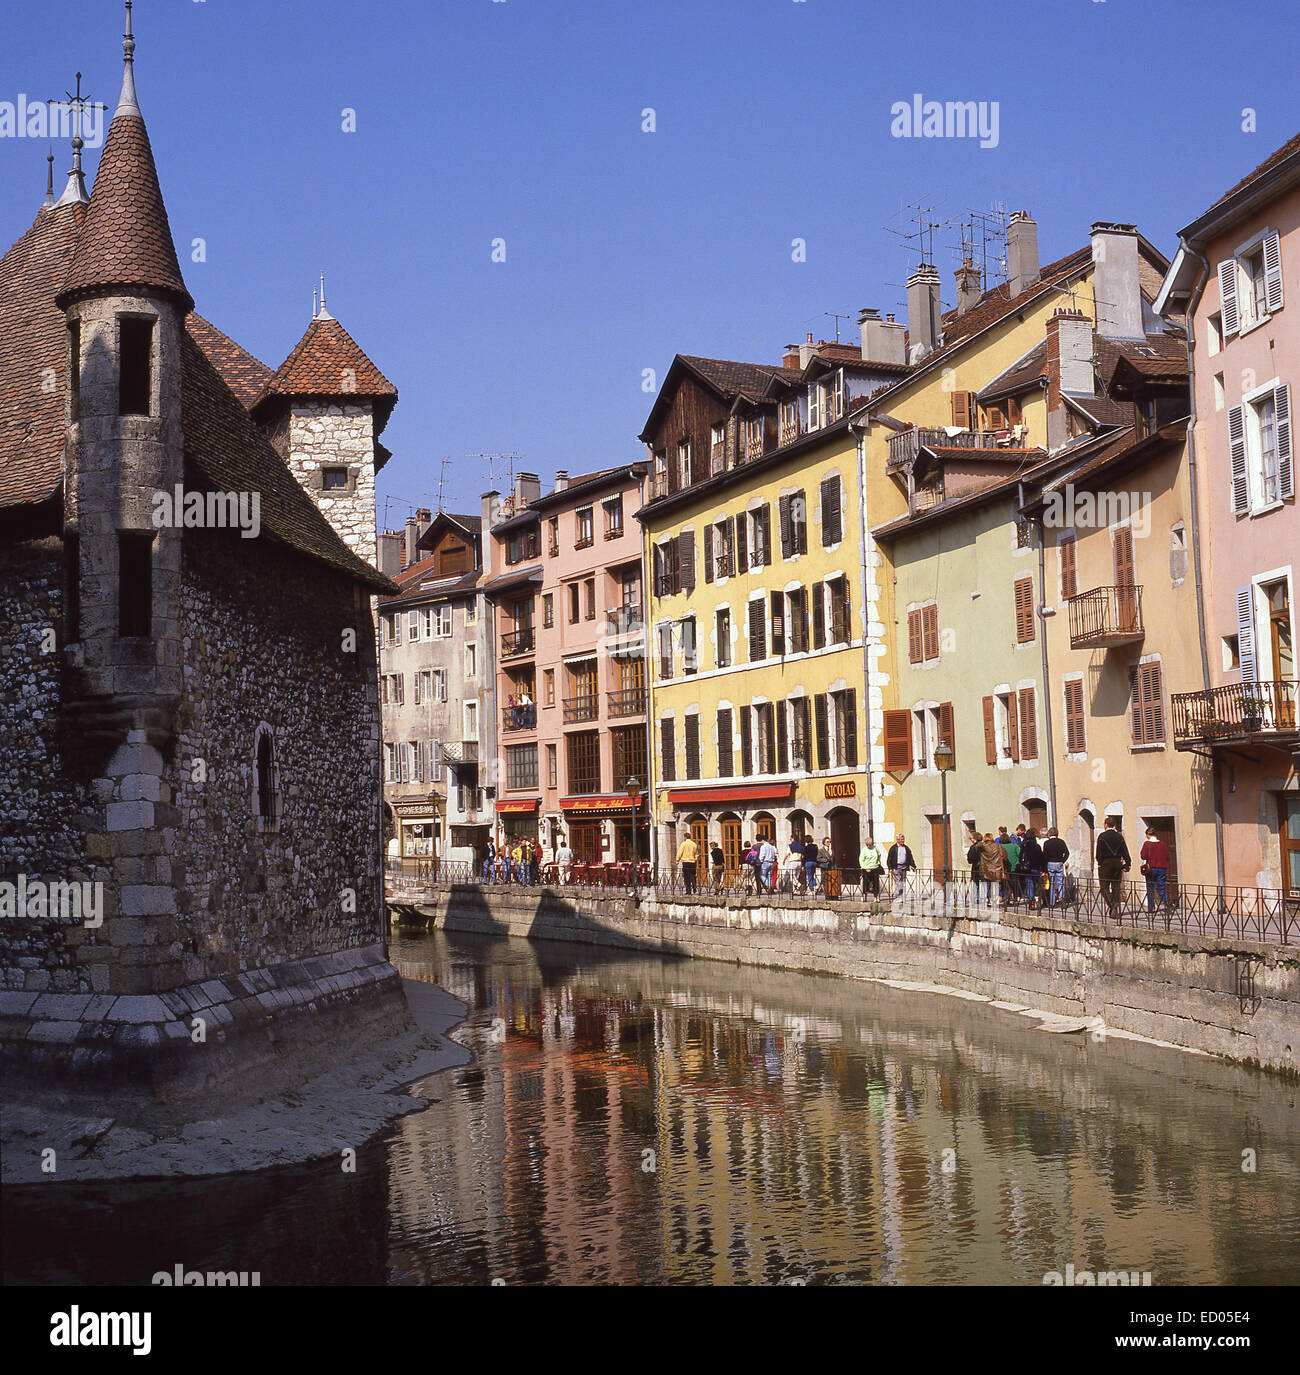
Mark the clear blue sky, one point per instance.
(522, 120)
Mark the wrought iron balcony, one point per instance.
(627, 702)
(519, 718)
(460, 751)
(790, 430)
(584, 541)
(625, 619)
(519, 641)
(1105, 617)
(581, 709)
(904, 446)
(1237, 714)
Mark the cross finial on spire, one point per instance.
(128, 104)
(315, 302)
(324, 313)
(49, 181)
(77, 104)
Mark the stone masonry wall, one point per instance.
(338, 436)
(1183, 990)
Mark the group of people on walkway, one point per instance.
(806, 869)
(517, 860)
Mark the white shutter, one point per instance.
(1228, 295)
(1273, 273)
(435, 761)
(1246, 633)
(1285, 449)
(1237, 455)
(813, 422)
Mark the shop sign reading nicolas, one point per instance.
(847, 787)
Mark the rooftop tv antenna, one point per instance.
(837, 318)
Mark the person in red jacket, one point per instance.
(1155, 865)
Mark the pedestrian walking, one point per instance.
(1011, 853)
(1031, 864)
(487, 855)
(809, 849)
(767, 863)
(1056, 854)
(828, 878)
(869, 863)
(993, 869)
(535, 859)
(973, 859)
(564, 860)
(719, 862)
(1113, 862)
(750, 861)
(688, 855)
(1154, 855)
(899, 861)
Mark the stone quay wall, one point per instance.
(1232, 998)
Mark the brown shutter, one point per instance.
(1124, 557)
(742, 536)
(849, 740)
(1069, 573)
(915, 653)
(782, 739)
(686, 559)
(1148, 706)
(779, 635)
(746, 742)
(757, 631)
(1074, 737)
(946, 732)
(726, 753)
(1024, 610)
(819, 615)
(822, 728)
(693, 745)
(898, 741)
(765, 524)
(930, 631)
(990, 733)
(787, 534)
(708, 553)
(1028, 724)
(1013, 727)
(799, 522)
(830, 510)
(963, 409)
(668, 747)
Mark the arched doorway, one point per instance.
(699, 828)
(1088, 840)
(764, 827)
(731, 839)
(801, 825)
(845, 838)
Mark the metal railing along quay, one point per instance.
(1259, 914)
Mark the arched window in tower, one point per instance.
(266, 781)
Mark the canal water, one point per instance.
(629, 1119)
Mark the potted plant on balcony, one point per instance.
(1253, 707)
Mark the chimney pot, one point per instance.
(1022, 253)
(923, 310)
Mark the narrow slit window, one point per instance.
(134, 584)
(72, 587)
(135, 375)
(74, 368)
(265, 779)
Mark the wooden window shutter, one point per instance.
(818, 593)
(799, 523)
(708, 553)
(742, 541)
(947, 732)
(726, 752)
(961, 409)
(686, 559)
(849, 739)
(1024, 610)
(915, 653)
(769, 738)
(1273, 273)
(1246, 633)
(746, 742)
(782, 739)
(830, 510)
(990, 733)
(779, 632)
(1237, 459)
(668, 748)
(1074, 735)
(1013, 727)
(1153, 707)
(1069, 571)
(1285, 448)
(692, 741)
(930, 631)
(757, 631)
(1124, 573)
(1028, 724)
(1228, 295)
(821, 720)
(898, 741)
(787, 532)
(765, 524)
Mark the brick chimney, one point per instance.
(882, 340)
(790, 358)
(1022, 252)
(923, 311)
(1069, 368)
(1116, 280)
(968, 286)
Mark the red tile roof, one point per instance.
(126, 241)
(245, 375)
(33, 348)
(327, 361)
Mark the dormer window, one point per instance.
(135, 366)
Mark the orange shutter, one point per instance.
(1024, 610)
(946, 728)
(930, 631)
(1013, 731)
(898, 741)
(1069, 576)
(1028, 724)
(914, 650)
(1074, 736)
(990, 733)
(1124, 557)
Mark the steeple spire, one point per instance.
(323, 314)
(127, 104)
(49, 182)
(75, 191)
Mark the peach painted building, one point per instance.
(1237, 276)
(566, 591)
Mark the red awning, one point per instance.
(599, 802)
(530, 804)
(754, 792)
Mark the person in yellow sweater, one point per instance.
(688, 855)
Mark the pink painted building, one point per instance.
(1237, 274)
(566, 589)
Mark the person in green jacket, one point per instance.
(869, 863)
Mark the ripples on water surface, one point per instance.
(633, 1120)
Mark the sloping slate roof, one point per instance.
(474, 524)
(1292, 145)
(327, 361)
(729, 377)
(1026, 370)
(126, 240)
(996, 302)
(235, 456)
(33, 338)
(245, 375)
